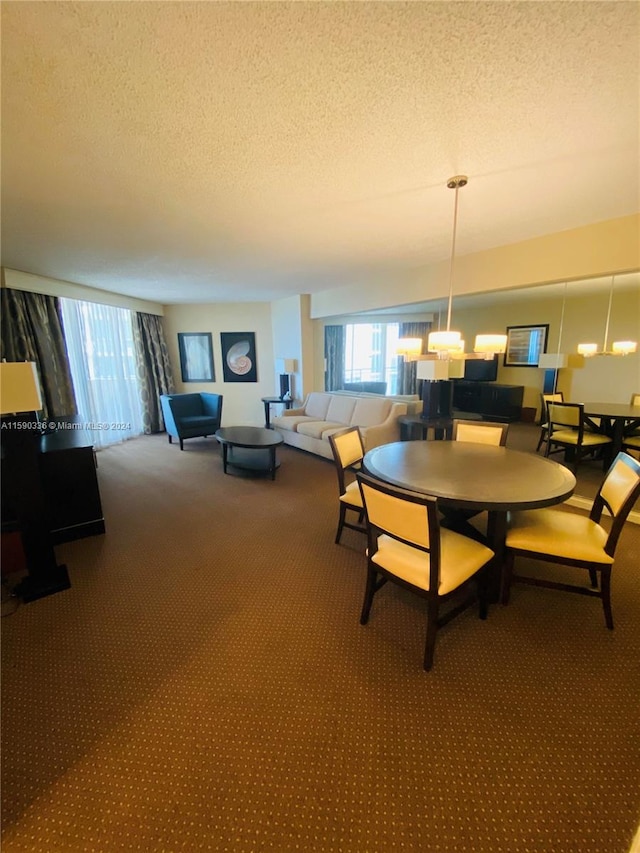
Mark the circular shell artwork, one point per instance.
(238, 358)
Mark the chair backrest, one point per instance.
(408, 517)
(348, 449)
(635, 400)
(480, 432)
(558, 397)
(618, 493)
(563, 415)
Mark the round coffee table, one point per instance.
(249, 448)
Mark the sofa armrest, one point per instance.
(289, 413)
(385, 432)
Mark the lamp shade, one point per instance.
(432, 369)
(623, 347)
(444, 341)
(19, 387)
(587, 350)
(409, 346)
(553, 360)
(490, 344)
(286, 365)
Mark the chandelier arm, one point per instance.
(606, 325)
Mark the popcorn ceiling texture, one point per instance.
(285, 147)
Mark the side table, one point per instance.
(442, 427)
(412, 424)
(272, 401)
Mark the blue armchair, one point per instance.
(191, 415)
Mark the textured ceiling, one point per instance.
(201, 151)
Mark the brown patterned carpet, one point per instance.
(206, 685)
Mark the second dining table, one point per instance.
(615, 420)
(467, 476)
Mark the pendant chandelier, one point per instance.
(448, 343)
(617, 347)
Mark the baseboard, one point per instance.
(585, 503)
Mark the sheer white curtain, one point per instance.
(103, 367)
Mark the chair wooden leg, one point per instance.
(181, 444)
(605, 581)
(593, 577)
(369, 592)
(541, 440)
(432, 631)
(507, 575)
(483, 593)
(341, 520)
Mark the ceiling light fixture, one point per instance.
(444, 342)
(449, 344)
(618, 347)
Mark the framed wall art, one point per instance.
(239, 356)
(525, 345)
(196, 356)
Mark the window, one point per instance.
(103, 368)
(370, 354)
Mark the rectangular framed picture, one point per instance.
(239, 356)
(196, 356)
(525, 345)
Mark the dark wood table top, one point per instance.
(611, 410)
(473, 476)
(249, 436)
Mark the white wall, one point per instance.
(242, 403)
(286, 321)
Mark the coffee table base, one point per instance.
(255, 460)
(249, 448)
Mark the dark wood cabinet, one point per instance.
(489, 399)
(70, 485)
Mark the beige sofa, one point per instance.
(324, 413)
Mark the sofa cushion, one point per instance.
(315, 429)
(317, 405)
(369, 411)
(340, 410)
(289, 423)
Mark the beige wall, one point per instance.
(242, 403)
(602, 379)
(68, 290)
(594, 250)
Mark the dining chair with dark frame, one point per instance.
(347, 448)
(571, 539)
(568, 431)
(406, 545)
(557, 397)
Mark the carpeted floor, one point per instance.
(205, 685)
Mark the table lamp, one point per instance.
(286, 366)
(20, 396)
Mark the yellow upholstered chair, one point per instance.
(555, 536)
(631, 439)
(476, 432)
(480, 432)
(558, 397)
(567, 431)
(407, 546)
(348, 449)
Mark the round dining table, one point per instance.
(616, 420)
(467, 476)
